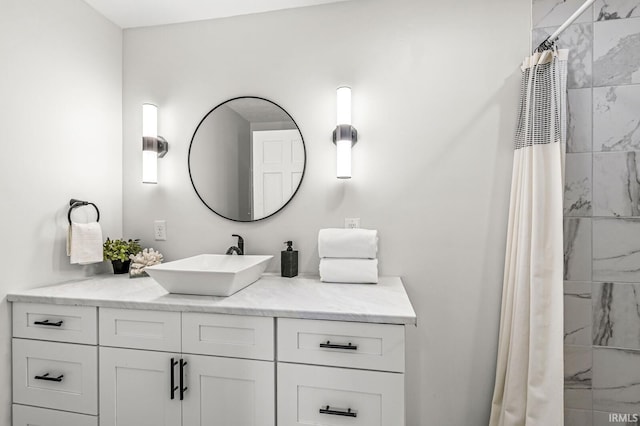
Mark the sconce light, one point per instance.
(345, 135)
(153, 146)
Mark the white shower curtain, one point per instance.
(529, 375)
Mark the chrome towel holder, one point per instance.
(79, 203)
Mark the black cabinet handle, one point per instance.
(174, 388)
(183, 388)
(49, 378)
(335, 346)
(348, 412)
(50, 324)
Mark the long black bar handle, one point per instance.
(50, 324)
(339, 411)
(330, 345)
(49, 378)
(174, 388)
(183, 388)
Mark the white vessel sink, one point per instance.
(209, 274)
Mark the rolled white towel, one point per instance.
(84, 243)
(356, 271)
(348, 243)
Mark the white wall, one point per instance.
(61, 138)
(435, 91)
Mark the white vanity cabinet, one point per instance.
(143, 385)
(335, 373)
(135, 388)
(55, 365)
(228, 392)
(115, 358)
(143, 388)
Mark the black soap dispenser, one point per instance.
(289, 261)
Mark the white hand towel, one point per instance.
(348, 243)
(362, 271)
(84, 243)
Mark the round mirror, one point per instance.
(246, 159)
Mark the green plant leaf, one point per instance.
(120, 249)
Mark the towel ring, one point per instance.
(78, 203)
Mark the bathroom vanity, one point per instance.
(114, 351)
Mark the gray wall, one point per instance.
(219, 147)
(435, 90)
(61, 138)
(602, 221)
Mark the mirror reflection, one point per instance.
(246, 159)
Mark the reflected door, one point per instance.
(278, 163)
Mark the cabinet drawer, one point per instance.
(342, 344)
(228, 335)
(62, 323)
(35, 416)
(139, 329)
(55, 375)
(312, 395)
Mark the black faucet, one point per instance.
(239, 249)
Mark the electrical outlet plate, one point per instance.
(160, 230)
(352, 222)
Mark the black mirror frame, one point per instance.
(304, 167)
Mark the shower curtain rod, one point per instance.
(548, 42)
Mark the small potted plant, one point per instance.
(118, 252)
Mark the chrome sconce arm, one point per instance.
(158, 145)
(345, 132)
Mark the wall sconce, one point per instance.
(345, 135)
(153, 146)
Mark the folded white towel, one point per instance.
(348, 243)
(364, 271)
(84, 243)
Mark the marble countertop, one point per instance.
(273, 296)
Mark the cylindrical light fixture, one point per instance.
(149, 143)
(343, 159)
(343, 107)
(153, 146)
(345, 135)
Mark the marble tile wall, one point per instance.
(578, 185)
(578, 377)
(578, 315)
(617, 189)
(616, 122)
(577, 249)
(579, 121)
(616, 315)
(601, 207)
(616, 379)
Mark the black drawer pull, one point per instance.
(348, 412)
(174, 388)
(334, 346)
(183, 388)
(49, 378)
(50, 324)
